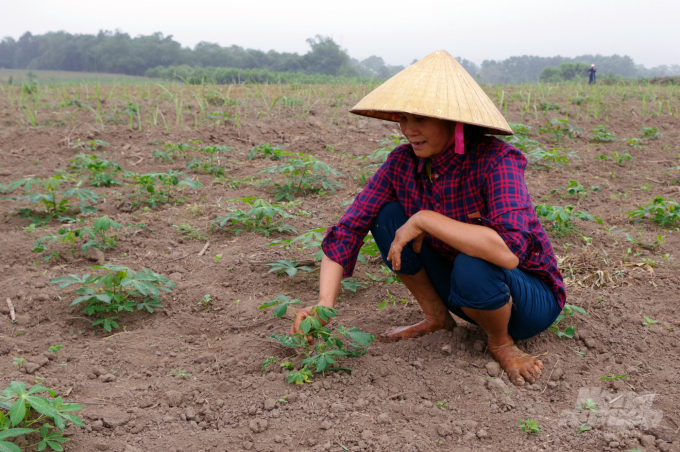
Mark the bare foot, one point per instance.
(519, 366)
(427, 326)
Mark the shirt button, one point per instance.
(437, 206)
(436, 176)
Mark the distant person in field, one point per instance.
(591, 73)
(452, 216)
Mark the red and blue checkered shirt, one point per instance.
(483, 186)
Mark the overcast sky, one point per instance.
(398, 31)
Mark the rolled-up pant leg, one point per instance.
(472, 282)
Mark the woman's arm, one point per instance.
(474, 240)
(329, 286)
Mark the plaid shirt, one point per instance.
(483, 186)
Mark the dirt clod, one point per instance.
(647, 441)
(258, 425)
(557, 374)
(96, 255)
(493, 368)
(384, 419)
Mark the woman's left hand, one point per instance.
(409, 231)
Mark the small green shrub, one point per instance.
(574, 188)
(550, 159)
(91, 145)
(388, 145)
(529, 426)
(309, 240)
(173, 150)
(616, 158)
(47, 192)
(118, 289)
(156, 188)
(317, 348)
(287, 266)
(602, 135)
(262, 217)
(94, 237)
(213, 163)
(548, 106)
(22, 411)
(636, 143)
(567, 311)
(561, 128)
(651, 133)
(267, 151)
(303, 173)
(102, 171)
(562, 218)
(660, 210)
(190, 232)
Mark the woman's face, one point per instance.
(428, 136)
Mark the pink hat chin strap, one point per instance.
(460, 139)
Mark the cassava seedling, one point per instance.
(567, 311)
(262, 216)
(94, 237)
(206, 302)
(19, 362)
(102, 171)
(304, 173)
(179, 373)
(529, 426)
(192, 233)
(588, 405)
(611, 378)
(118, 289)
(157, 188)
(23, 410)
(649, 322)
(289, 267)
(584, 428)
(390, 299)
(352, 284)
(317, 346)
(48, 192)
(389, 276)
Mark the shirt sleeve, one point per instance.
(510, 210)
(344, 240)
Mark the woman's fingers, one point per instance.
(299, 317)
(395, 254)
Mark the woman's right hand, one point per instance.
(302, 314)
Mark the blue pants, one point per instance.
(471, 282)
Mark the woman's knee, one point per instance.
(478, 284)
(390, 218)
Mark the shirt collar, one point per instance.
(442, 161)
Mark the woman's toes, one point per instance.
(528, 376)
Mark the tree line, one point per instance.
(122, 54)
(118, 52)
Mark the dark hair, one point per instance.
(474, 134)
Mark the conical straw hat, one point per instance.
(439, 87)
